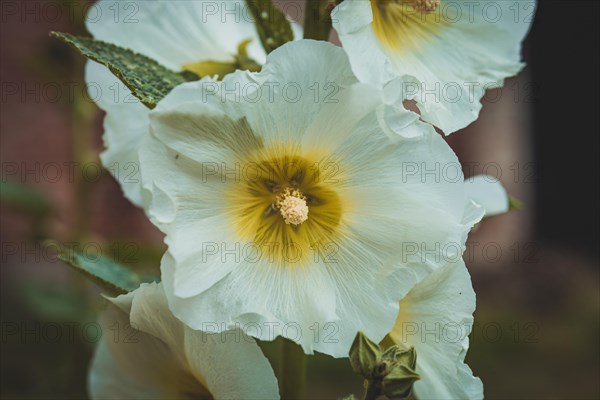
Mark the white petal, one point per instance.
(129, 364)
(214, 135)
(231, 364)
(285, 101)
(351, 16)
(488, 192)
(296, 85)
(395, 120)
(188, 206)
(125, 124)
(340, 116)
(262, 300)
(436, 318)
(352, 20)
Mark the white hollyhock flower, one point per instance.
(177, 34)
(147, 353)
(436, 318)
(287, 207)
(442, 54)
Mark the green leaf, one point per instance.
(272, 25)
(53, 302)
(149, 81)
(364, 355)
(24, 197)
(106, 273)
(399, 382)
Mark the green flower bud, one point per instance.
(364, 355)
(390, 373)
(398, 383)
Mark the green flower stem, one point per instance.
(293, 371)
(81, 136)
(82, 112)
(82, 155)
(373, 391)
(317, 19)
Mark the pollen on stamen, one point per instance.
(292, 206)
(426, 5)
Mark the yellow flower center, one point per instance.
(405, 25)
(271, 201)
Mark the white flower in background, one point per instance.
(442, 54)
(436, 318)
(163, 359)
(287, 206)
(179, 35)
